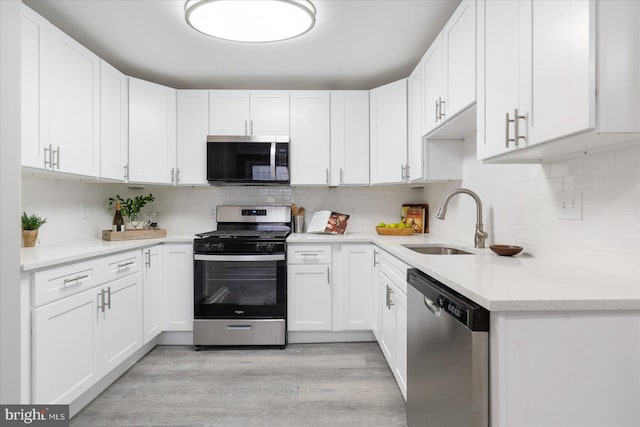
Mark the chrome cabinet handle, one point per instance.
(101, 304)
(341, 176)
(125, 265)
(47, 154)
(108, 304)
(507, 140)
(56, 157)
(327, 175)
(75, 281)
(432, 306)
(391, 303)
(328, 275)
(402, 172)
(308, 254)
(441, 114)
(177, 175)
(251, 127)
(148, 261)
(436, 110)
(516, 126)
(375, 258)
(173, 175)
(406, 172)
(126, 172)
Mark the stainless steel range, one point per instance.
(240, 278)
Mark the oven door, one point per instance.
(240, 286)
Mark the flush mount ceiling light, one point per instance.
(254, 21)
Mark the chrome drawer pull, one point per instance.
(75, 281)
(108, 303)
(125, 265)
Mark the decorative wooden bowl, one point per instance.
(395, 231)
(506, 250)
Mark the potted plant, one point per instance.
(131, 208)
(30, 225)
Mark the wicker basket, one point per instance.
(395, 231)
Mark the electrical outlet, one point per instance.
(213, 211)
(570, 205)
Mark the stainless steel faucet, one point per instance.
(480, 235)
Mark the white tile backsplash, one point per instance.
(520, 206)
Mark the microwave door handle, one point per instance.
(272, 162)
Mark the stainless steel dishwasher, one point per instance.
(447, 356)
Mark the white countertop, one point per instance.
(42, 256)
(519, 283)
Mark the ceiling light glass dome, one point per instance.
(254, 21)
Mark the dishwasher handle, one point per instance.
(432, 306)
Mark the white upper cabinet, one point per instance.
(449, 76)
(33, 150)
(544, 63)
(432, 86)
(269, 112)
(114, 123)
(229, 112)
(69, 103)
(388, 142)
(192, 131)
(349, 138)
(243, 112)
(310, 133)
(152, 132)
(415, 144)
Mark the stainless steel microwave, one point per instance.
(248, 160)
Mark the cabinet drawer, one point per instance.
(120, 265)
(395, 269)
(58, 282)
(309, 254)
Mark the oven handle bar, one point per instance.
(201, 257)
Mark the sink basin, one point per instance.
(436, 250)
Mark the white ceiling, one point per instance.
(356, 44)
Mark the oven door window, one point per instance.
(239, 289)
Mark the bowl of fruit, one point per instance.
(395, 229)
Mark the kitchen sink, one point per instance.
(436, 250)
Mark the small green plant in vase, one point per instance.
(131, 208)
(30, 225)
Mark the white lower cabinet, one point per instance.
(355, 286)
(392, 315)
(79, 339)
(151, 282)
(309, 298)
(65, 348)
(176, 299)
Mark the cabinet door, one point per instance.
(310, 133)
(152, 283)
(70, 103)
(356, 286)
(65, 348)
(269, 112)
(32, 145)
(388, 320)
(177, 287)
(400, 368)
(389, 133)
(415, 144)
(376, 300)
(563, 72)
(121, 321)
(192, 131)
(114, 123)
(229, 112)
(503, 43)
(349, 138)
(459, 43)
(308, 298)
(152, 132)
(432, 86)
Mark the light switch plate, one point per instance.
(570, 205)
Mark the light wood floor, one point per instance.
(346, 384)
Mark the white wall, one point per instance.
(521, 203)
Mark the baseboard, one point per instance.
(304, 337)
(176, 338)
(95, 390)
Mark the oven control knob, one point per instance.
(264, 248)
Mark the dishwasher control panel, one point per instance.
(453, 309)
